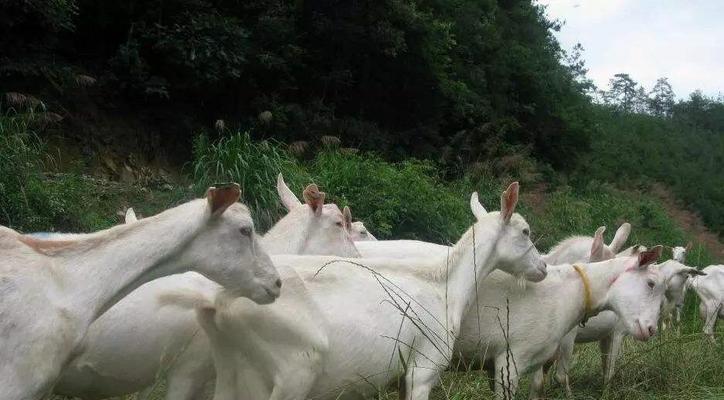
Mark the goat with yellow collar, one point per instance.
(517, 328)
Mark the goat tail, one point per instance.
(186, 298)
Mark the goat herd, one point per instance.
(317, 308)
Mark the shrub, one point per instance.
(400, 200)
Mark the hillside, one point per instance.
(120, 92)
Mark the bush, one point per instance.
(402, 200)
(395, 200)
(410, 200)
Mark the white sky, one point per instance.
(678, 39)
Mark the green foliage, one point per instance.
(410, 200)
(32, 200)
(54, 15)
(207, 48)
(29, 201)
(20, 165)
(571, 211)
(684, 152)
(403, 78)
(395, 200)
(253, 165)
(401, 200)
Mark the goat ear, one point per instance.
(597, 245)
(288, 198)
(620, 237)
(347, 218)
(314, 198)
(475, 206)
(220, 198)
(689, 246)
(130, 215)
(648, 257)
(638, 249)
(508, 201)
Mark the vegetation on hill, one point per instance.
(683, 149)
(466, 85)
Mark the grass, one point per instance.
(253, 165)
(32, 199)
(674, 365)
(670, 366)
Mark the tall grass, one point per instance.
(254, 165)
(29, 200)
(21, 191)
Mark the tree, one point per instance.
(623, 93)
(577, 67)
(661, 98)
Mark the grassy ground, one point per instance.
(677, 364)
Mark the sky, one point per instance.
(682, 40)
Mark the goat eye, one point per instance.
(246, 231)
(338, 223)
(651, 284)
(526, 232)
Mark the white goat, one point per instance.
(672, 311)
(598, 252)
(324, 232)
(573, 249)
(520, 336)
(710, 289)
(577, 248)
(607, 329)
(360, 233)
(679, 253)
(123, 353)
(379, 320)
(45, 314)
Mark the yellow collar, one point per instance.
(587, 297)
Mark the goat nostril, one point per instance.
(278, 283)
(652, 330)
